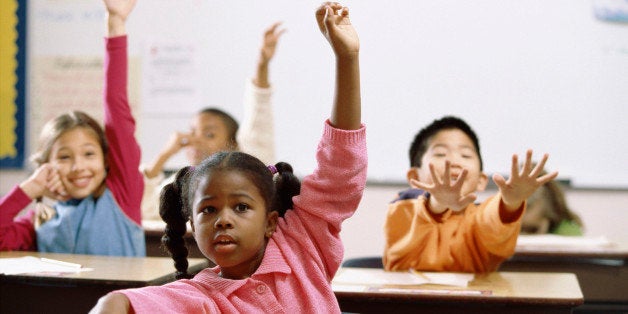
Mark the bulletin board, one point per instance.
(13, 21)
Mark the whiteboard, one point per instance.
(540, 74)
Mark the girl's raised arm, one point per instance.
(117, 13)
(334, 24)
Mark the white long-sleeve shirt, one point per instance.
(256, 136)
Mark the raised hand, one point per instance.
(523, 181)
(334, 24)
(117, 13)
(445, 194)
(119, 8)
(269, 44)
(267, 52)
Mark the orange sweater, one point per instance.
(476, 239)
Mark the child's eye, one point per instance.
(439, 155)
(208, 210)
(90, 154)
(63, 157)
(209, 135)
(467, 156)
(241, 207)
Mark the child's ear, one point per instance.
(482, 182)
(413, 174)
(271, 223)
(234, 146)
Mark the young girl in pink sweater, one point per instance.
(268, 260)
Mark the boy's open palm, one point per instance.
(333, 22)
(522, 182)
(445, 194)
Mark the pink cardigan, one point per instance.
(302, 256)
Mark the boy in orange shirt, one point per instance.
(435, 225)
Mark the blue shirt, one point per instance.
(91, 226)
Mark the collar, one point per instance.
(272, 262)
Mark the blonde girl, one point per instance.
(91, 173)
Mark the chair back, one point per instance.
(364, 262)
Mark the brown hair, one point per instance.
(551, 198)
(56, 127)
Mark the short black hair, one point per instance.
(230, 123)
(421, 140)
(176, 208)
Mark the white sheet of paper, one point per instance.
(34, 265)
(365, 276)
(378, 277)
(447, 278)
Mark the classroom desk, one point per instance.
(79, 292)
(601, 271)
(498, 292)
(154, 230)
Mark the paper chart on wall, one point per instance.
(170, 78)
(64, 83)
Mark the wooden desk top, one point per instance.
(109, 270)
(555, 289)
(602, 270)
(602, 253)
(568, 247)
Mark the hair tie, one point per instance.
(272, 169)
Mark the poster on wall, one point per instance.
(12, 83)
(170, 76)
(611, 10)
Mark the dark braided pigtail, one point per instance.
(287, 185)
(172, 209)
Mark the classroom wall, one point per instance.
(542, 74)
